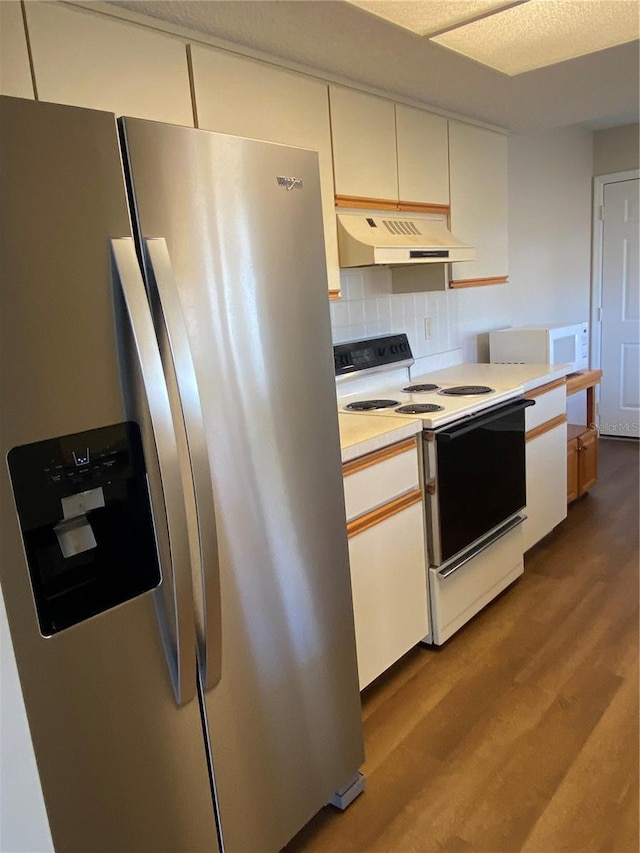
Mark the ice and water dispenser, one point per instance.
(86, 521)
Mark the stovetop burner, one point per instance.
(466, 390)
(419, 389)
(419, 408)
(367, 405)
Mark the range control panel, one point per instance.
(371, 352)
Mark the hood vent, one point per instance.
(367, 239)
(401, 226)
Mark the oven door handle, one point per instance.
(480, 420)
(502, 531)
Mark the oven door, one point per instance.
(475, 478)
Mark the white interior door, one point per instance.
(620, 348)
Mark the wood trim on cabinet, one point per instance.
(355, 465)
(547, 426)
(366, 203)
(382, 513)
(424, 207)
(478, 282)
(544, 389)
(581, 380)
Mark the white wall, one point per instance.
(616, 149)
(549, 260)
(550, 225)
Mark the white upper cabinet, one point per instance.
(364, 145)
(90, 60)
(423, 157)
(388, 152)
(478, 184)
(15, 73)
(249, 98)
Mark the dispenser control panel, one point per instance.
(85, 515)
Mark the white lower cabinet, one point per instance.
(388, 579)
(546, 458)
(387, 555)
(546, 462)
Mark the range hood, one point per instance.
(365, 239)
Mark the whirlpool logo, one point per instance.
(289, 183)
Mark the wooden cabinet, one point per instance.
(15, 72)
(385, 525)
(546, 462)
(90, 60)
(478, 183)
(582, 460)
(250, 98)
(582, 439)
(387, 155)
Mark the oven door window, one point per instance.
(481, 476)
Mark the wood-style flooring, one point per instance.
(521, 733)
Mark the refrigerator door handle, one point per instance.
(180, 644)
(203, 527)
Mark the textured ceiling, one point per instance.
(342, 40)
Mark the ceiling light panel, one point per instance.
(430, 16)
(543, 32)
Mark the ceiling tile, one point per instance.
(544, 32)
(429, 16)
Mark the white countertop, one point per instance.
(363, 434)
(529, 376)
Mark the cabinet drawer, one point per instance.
(379, 477)
(455, 599)
(548, 405)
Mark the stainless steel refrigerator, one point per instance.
(174, 564)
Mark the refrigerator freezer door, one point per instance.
(122, 766)
(242, 223)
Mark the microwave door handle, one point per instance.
(188, 407)
(480, 420)
(174, 600)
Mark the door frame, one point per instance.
(599, 183)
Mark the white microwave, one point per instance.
(547, 344)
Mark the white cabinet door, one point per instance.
(90, 60)
(478, 176)
(363, 130)
(250, 98)
(546, 466)
(423, 156)
(389, 584)
(15, 73)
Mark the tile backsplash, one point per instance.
(457, 319)
(369, 307)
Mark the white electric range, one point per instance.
(473, 471)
